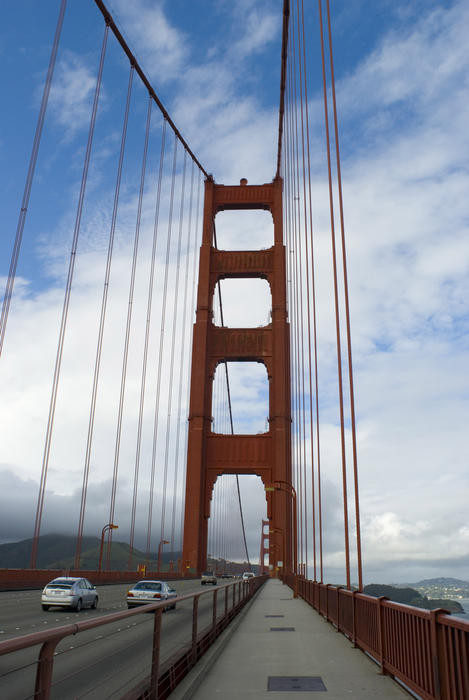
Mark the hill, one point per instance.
(410, 596)
(58, 552)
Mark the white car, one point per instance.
(247, 575)
(69, 592)
(147, 591)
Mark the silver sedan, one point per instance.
(69, 592)
(147, 591)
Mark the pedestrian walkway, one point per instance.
(281, 646)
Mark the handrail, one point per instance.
(159, 685)
(424, 649)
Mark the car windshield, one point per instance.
(207, 573)
(147, 586)
(62, 586)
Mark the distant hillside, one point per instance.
(58, 552)
(449, 582)
(410, 596)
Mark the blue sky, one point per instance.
(401, 74)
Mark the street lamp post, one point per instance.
(160, 546)
(280, 485)
(109, 526)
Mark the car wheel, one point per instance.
(95, 604)
(130, 606)
(78, 605)
(45, 608)
(173, 607)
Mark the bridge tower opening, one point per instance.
(267, 454)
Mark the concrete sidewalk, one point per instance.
(281, 641)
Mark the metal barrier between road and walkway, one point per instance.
(428, 650)
(163, 678)
(23, 579)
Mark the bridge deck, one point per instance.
(253, 655)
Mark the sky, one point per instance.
(401, 80)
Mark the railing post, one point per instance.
(436, 660)
(354, 618)
(295, 585)
(214, 615)
(381, 633)
(226, 601)
(195, 612)
(155, 655)
(338, 607)
(44, 670)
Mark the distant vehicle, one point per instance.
(69, 592)
(226, 576)
(145, 591)
(247, 575)
(208, 577)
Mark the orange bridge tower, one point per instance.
(267, 455)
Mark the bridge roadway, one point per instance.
(249, 656)
(101, 663)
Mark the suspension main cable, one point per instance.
(110, 22)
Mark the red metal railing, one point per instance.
(162, 678)
(18, 579)
(428, 650)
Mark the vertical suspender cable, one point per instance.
(337, 317)
(313, 294)
(307, 189)
(302, 76)
(296, 280)
(173, 346)
(160, 355)
(150, 285)
(181, 362)
(347, 310)
(191, 324)
(145, 346)
(97, 365)
(30, 176)
(127, 338)
(63, 324)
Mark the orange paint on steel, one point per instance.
(347, 310)
(337, 313)
(209, 454)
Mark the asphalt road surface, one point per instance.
(101, 663)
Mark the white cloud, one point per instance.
(72, 93)
(403, 115)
